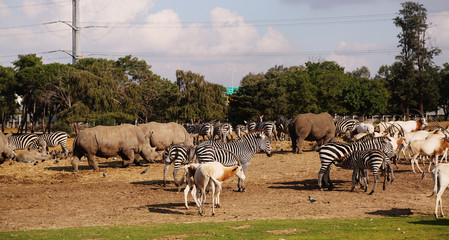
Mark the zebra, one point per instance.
(269, 127)
(240, 129)
(193, 129)
(224, 130)
(251, 126)
(52, 140)
(333, 152)
(178, 155)
(207, 130)
(346, 126)
(244, 149)
(22, 141)
(282, 126)
(372, 159)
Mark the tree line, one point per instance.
(109, 92)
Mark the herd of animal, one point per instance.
(220, 154)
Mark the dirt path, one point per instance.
(49, 195)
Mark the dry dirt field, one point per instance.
(48, 195)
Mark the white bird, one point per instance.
(311, 199)
(104, 174)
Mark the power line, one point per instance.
(35, 4)
(221, 24)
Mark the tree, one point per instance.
(8, 104)
(444, 90)
(30, 81)
(200, 99)
(416, 56)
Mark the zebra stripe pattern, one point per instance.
(244, 149)
(22, 141)
(207, 130)
(224, 130)
(178, 155)
(251, 126)
(335, 151)
(240, 130)
(52, 140)
(282, 126)
(372, 159)
(269, 127)
(345, 126)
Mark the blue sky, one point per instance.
(222, 40)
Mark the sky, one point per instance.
(221, 40)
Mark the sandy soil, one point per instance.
(48, 195)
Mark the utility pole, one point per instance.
(76, 46)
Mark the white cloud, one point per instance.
(342, 55)
(4, 12)
(113, 11)
(439, 28)
(273, 41)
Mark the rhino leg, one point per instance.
(75, 163)
(92, 162)
(299, 142)
(128, 157)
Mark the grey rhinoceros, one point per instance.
(126, 140)
(32, 155)
(311, 127)
(162, 135)
(5, 148)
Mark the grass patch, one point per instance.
(368, 228)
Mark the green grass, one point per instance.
(369, 228)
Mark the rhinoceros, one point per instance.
(126, 141)
(162, 135)
(5, 148)
(311, 127)
(29, 156)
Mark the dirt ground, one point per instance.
(48, 195)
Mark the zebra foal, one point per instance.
(333, 152)
(373, 159)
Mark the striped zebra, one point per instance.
(333, 153)
(244, 149)
(345, 126)
(224, 131)
(251, 126)
(282, 126)
(240, 130)
(269, 127)
(178, 155)
(193, 129)
(373, 160)
(207, 130)
(47, 140)
(22, 141)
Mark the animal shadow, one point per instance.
(435, 222)
(167, 208)
(394, 212)
(308, 184)
(158, 184)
